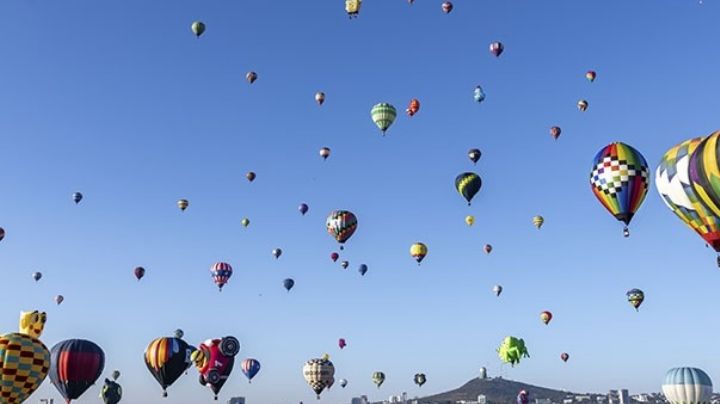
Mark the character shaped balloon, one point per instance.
(214, 360)
(352, 7)
(111, 392)
(512, 350)
(167, 358)
(24, 360)
(76, 365)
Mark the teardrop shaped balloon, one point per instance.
(619, 179)
(413, 107)
(167, 359)
(288, 284)
(345, 264)
(635, 297)
(470, 220)
(139, 272)
(37, 276)
(318, 374)
(555, 132)
(497, 48)
(320, 97)
(343, 383)
(198, 28)
(115, 374)
(221, 273)
(251, 77)
(2, 233)
(564, 356)
(418, 251)
(590, 75)
(420, 379)
(538, 221)
(303, 208)
(363, 269)
(245, 222)
(183, 204)
(325, 153)
(468, 185)
(76, 364)
(334, 256)
(77, 197)
(546, 316)
(447, 7)
(378, 378)
(582, 105)
(341, 225)
(59, 299)
(474, 155)
(479, 94)
(488, 248)
(678, 191)
(250, 368)
(383, 114)
(276, 253)
(497, 289)
(250, 176)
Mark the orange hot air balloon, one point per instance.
(413, 108)
(546, 316)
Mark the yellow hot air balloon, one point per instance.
(24, 360)
(418, 251)
(470, 220)
(538, 221)
(352, 7)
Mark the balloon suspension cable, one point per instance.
(626, 232)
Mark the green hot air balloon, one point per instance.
(468, 184)
(383, 115)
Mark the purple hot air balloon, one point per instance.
(139, 272)
(303, 208)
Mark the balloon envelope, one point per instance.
(75, 366)
(687, 385)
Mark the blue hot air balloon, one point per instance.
(687, 386)
(288, 284)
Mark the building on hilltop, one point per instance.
(237, 400)
(359, 400)
(624, 397)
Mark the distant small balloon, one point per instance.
(474, 155)
(582, 105)
(488, 248)
(277, 253)
(334, 256)
(250, 176)
(497, 48)
(320, 97)
(77, 197)
(245, 222)
(139, 272)
(564, 356)
(183, 204)
(37, 276)
(197, 28)
(447, 7)
(251, 77)
(325, 153)
(303, 208)
(344, 264)
(497, 289)
(363, 269)
(115, 374)
(590, 75)
(179, 333)
(2, 233)
(288, 284)
(479, 94)
(59, 299)
(555, 132)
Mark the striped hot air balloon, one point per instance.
(221, 273)
(76, 364)
(687, 386)
(167, 359)
(250, 368)
(468, 185)
(383, 115)
(619, 179)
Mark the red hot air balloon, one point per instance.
(497, 48)
(221, 273)
(413, 108)
(75, 366)
(341, 343)
(334, 256)
(214, 360)
(139, 272)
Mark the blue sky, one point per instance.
(119, 101)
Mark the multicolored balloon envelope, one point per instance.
(250, 368)
(619, 179)
(221, 273)
(167, 359)
(214, 360)
(24, 363)
(111, 392)
(76, 364)
(319, 373)
(341, 225)
(523, 397)
(635, 297)
(687, 386)
(468, 185)
(511, 350)
(674, 184)
(378, 378)
(383, 115)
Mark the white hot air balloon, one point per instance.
(687, 386)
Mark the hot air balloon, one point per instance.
(523, 397)
(288, 284)
(250, 368)
(341, 343)
(214, 359)
(276, 253)
(635, 297)
(538, 221)
(24, 359)
(345, 264)
(413, 108)
(352, 7)
(590, 75)
(474, 155)
(383, 114)
(111, 392)
(59, 299)
(483, 373)
(555, 132)
(341, 225)
(418, 251)
(546, 316)
(318, 373)
(250, 176)
(197, 28)
(564, 356)
(673, 182)
(139, 272)
(77, 197)
(468, 184)
(303, 208)
(511, 350)
(582, 105)
(179, 333)
(251, 77)
(37, 276)
(447, 7)
(325, 153)
(320, 97)
(221, 273)
(75, 366)
(488, 248)
(497, 48)
(469, 220)
(115, 374)
(687, 385)
(2, 233)
(334, 256)
(479, 94)
(620, 179)
(245, 222)
(420, 379)
(183, 204)
(378, 378)
(497, 289)
(343, 383)
(363, 269)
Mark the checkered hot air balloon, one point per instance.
(24, 364)
(383, 115)
(221, 273)
(250, 368)
(341, 225)
(619, 179)
(673, 182)
(319, 373)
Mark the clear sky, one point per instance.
(120, 101)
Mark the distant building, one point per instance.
(613, 397)
(482, 399)
(543, 401)
(359, 400)
(624, 397)
(237, 400)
